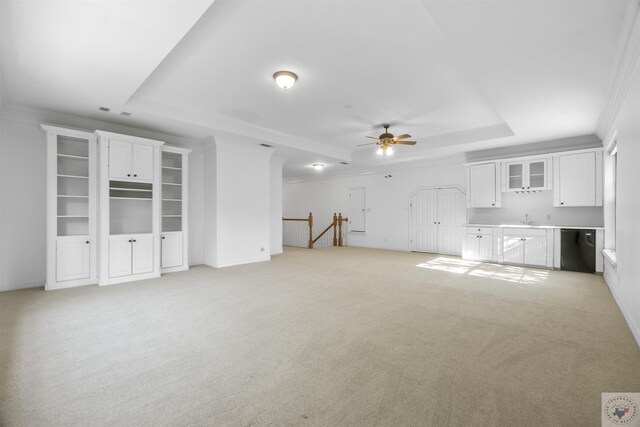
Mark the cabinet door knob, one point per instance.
(87, 242)
(128, 174)
(562, 203)
(162, 237)
(130, 240)
(134, 240)
(135, 175)
(493, 204)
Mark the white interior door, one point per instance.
(142, 254)
(357, 209)
(535, 250)
(578, 179)
(119, 256)
(452, 215)
(513, 249)
(73, 255)
(171, 250)
(119, 159)
(142, 162)
(424, 221)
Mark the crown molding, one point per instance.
(625, 64)
(38, 117)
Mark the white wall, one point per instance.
(275, 194)
(386, 199)
(23, 193)
(625, 282)
(541, 211)
(239, 216)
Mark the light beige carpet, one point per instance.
(332, 337)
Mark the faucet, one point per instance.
(526, 220)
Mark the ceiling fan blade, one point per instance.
(368, 143)
(403, 136)
(373, 137)
(406, 142)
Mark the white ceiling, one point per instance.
(459, 76)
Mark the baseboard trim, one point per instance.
(29, 285)
(635, 330)
(243, 262)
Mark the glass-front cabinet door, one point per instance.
(515, 176)
(537, 175)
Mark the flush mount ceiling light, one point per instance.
(317, 166)
(285, 79)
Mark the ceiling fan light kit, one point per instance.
(386, 140)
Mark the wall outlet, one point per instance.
(548, 216)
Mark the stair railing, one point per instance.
(336, 225)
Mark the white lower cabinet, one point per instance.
(525, 246)
(130, 254)
(171, 250)
(73, 258)
(478, 245)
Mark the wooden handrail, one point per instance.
(323, 233)
(336, 223)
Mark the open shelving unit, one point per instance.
(174, 209)
(71, 208)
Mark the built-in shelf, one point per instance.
(171, 168)
(72, 156)
(73, 176)
(131, 198)
(72, 197)
(170, 183)
(131, 189)
(172, 216)
(73, 216)
(171, 200)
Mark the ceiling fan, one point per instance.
(386, 140)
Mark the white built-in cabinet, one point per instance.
(436, 220)
(578, 179)
(174, 237)
(526, 246)
(116, 208)
(71, 208)
(484, 185)
(479, 244)
(131, 161)
(130, 207)
(526, 175)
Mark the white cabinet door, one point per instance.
(515, 176)
(142, 166)
(119, 256)
(73, 255)
(485, 246)
(119, 159)
(577, 181)
(513, 249)
(482, 185)
(537, 175)
(424, 221)
(142, 254)
(451, 218)
(471, 247)
(171, 250)
(535, 250)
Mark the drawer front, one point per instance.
(479, 230)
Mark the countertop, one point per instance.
(576, 227)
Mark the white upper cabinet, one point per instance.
(130, 161)
(526, 175)
(484, 184)
(578, 178)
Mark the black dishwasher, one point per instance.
(578, 250)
